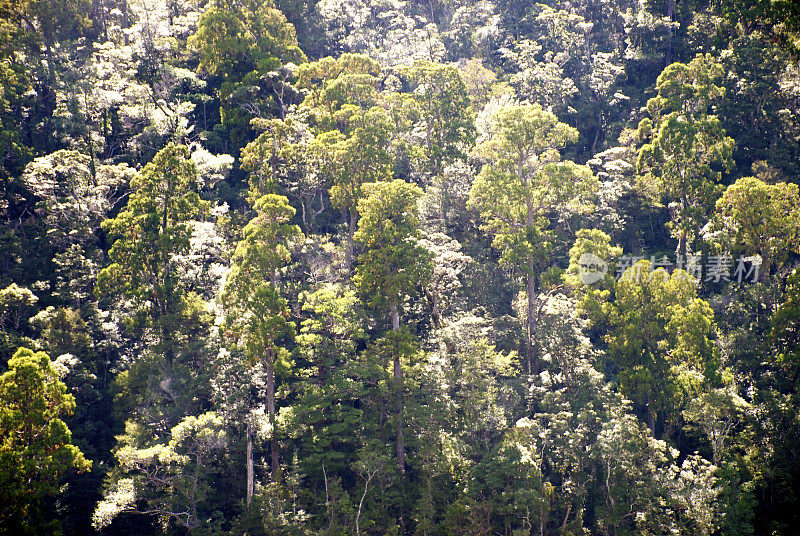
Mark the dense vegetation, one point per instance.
(383, 267)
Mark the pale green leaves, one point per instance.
(523, 180)
(754, 217)
(257, 315)
(393, 263)
(35, 444)
(170, 478)
(686, 145)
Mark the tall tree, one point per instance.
(257, 316)
(243, 47)
(521, 184)
(148, 236)
(659, 328)
(685, 147)
(444, 111)
(35, 444)
(358, 158)
(393, 265)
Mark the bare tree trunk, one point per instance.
(566, 518)
(361, 503)
(531, 333)
(250, 478)
(670, 13)
(273, 442)
(350, 249)
(398, 379)
(327, 497)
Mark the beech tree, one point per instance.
(685, 147)
(36, 447)
(392, 266)
(522, 183)
(244, 47)
(172, 479)
(256, 314)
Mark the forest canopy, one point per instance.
(400, 268)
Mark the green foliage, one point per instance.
(659, 331)
(785, 324)
(428, 356)
(393, 264)
(444, 107)
(753, 217)
(16, 306)
(524, 181)
(36, 448)
(151, 231)
(172, 479)
(256, 312)
(244, 47)
(685, 144)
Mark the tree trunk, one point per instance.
(651, 420)
(361, 503)
(273, 442)
(350, 249)
(327, 497)
(531, 291)
(250, 478)
(398, 380)
(682, 248)
(683, 239)
(532, 305)
(670, 12)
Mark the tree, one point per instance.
(353, 132)
(355, 160)
(522, 183)
(393, 265)
(594, 245)
(243, 47)
(685, 145)
(16, 305)
(717, 412)
(753, 217)
(659, 328)
(35, 444)
(287, 156)
(75, 195)
(256, 313)
(331, 82)
(172, 479)
(328, 343)
(448, 262)
(444, 107)
(150, 233)
(542, 82)
(785, 323)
